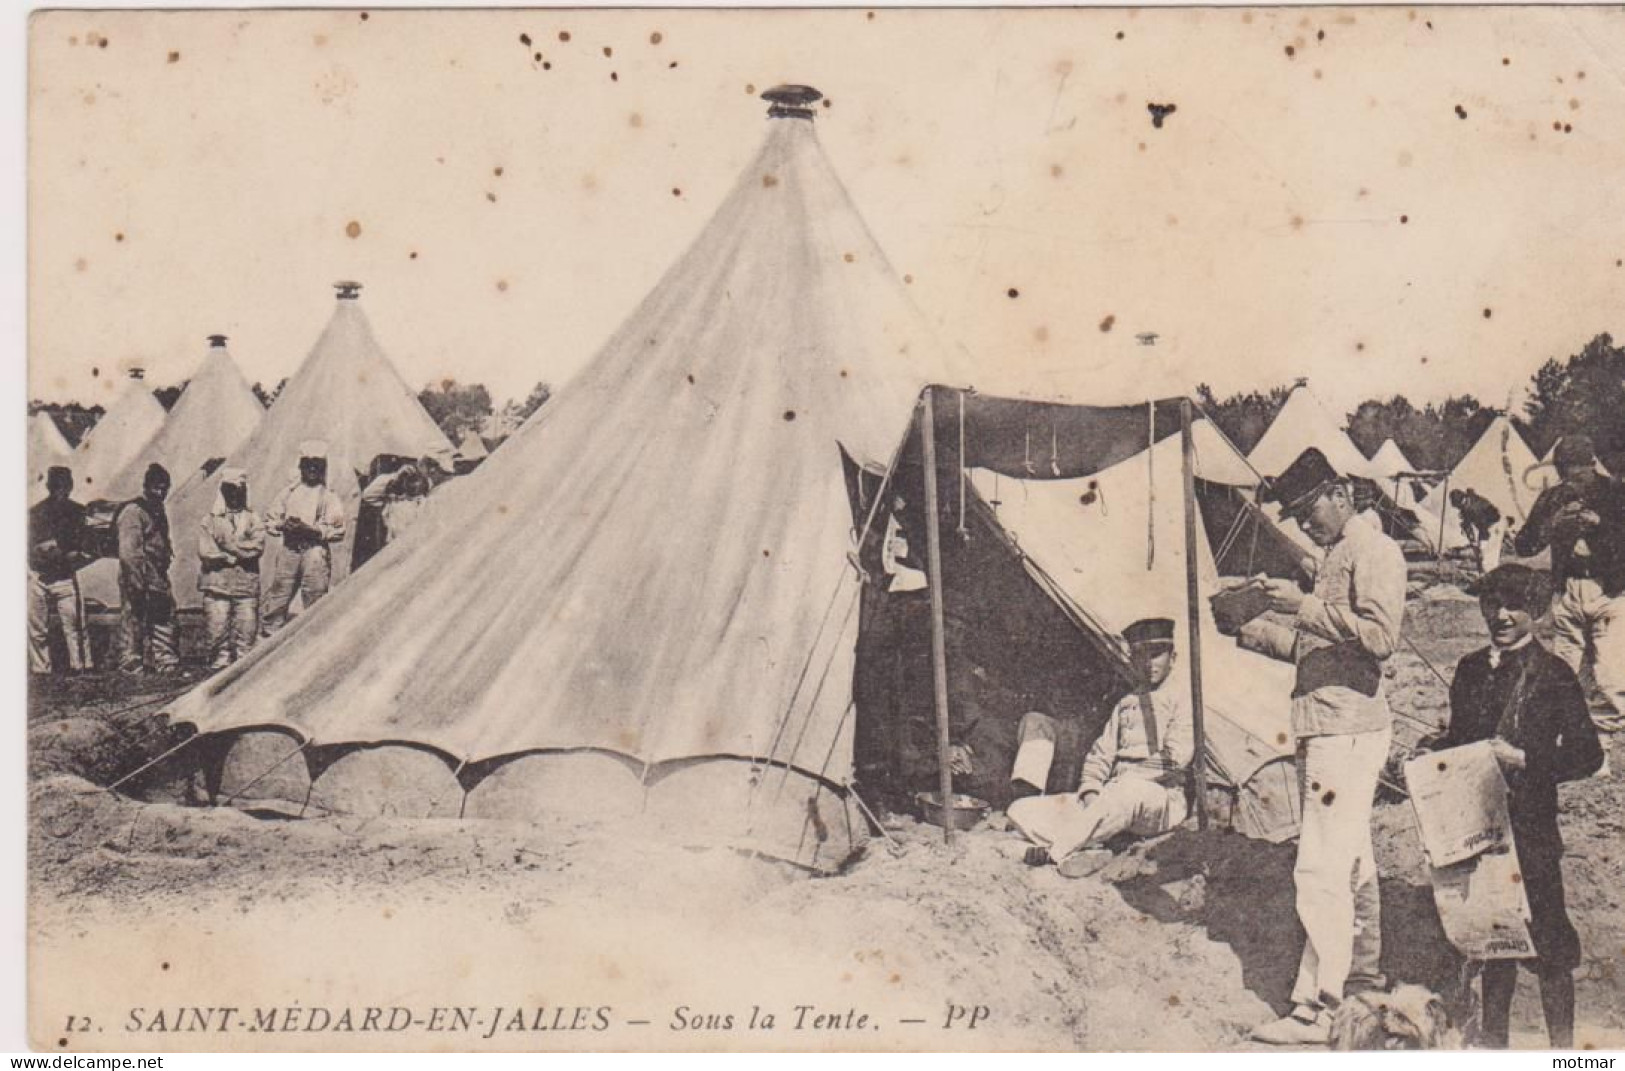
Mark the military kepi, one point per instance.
(1158, 631)
(1297, 488)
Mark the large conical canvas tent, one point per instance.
(1494, 467)
(214, 415)
(348, 394)
(621, 606)
(1305, 422)
(130, 422)
(47, 446)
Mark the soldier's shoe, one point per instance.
(1303, 1027)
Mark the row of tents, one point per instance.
(1499, 466)
(649, 602)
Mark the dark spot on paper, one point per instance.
(1320, 35)
(119, 237)
(1314, 786)
(1574, 104)
(1142, 146)
(1041, 333)
(769, 181)
(353, 229)
(101, 43)
(848, 257)
(1280, 738)
(1297, 223)
(1461, 113)
(1404, 219)
(546, 66)
(656, 37)
(1558, 126)
(81, 264)
(1319, 74)
(1441, 767)
(163, 966)
(1119, 35)
(1424, 360)
(524, 39)
(634, 120)
(672, 66)
(613, 77)
(564, 35)
(608, 52)
(750, 89)
(789, 415)
(908, 279)
(691, 377)
(491, 197)
(1012, 293)
(365, 16)
(1327, 797)
(1567, 129)
(1290, 52)
(497, 171)
(174, 57)
(62, 1043)
(1506, 61)
(1173, 1000)
(1106, 324)
(1581, 75)
(870, 16)
(1517, 878)
(1429, 24)
(1486, 314)
(1359, 347)
(767, 553)
(1159, 112)
(412, 255)
(843, 373)
(828, 103)
(1056, 171)
(502, 285)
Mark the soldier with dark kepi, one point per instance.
(1340, 635)
(1582, 519)
(147, 627)
(1528, 704)
(1134, 776)
(310, 519)
(57, 549)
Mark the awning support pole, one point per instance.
(1193, 612)
(939, 647)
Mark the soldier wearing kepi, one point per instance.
(1582, 518)
(310, 518)
(56, 551)
(231, 540)
(1528, 704)
(147, 624)
(1341, 634)
(1134, 776)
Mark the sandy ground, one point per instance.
(141, 908)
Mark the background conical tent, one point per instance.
(346, 393)
(472, 447)
(655, 565)
(1304, 422)
(47, 446)
(1494, 468)
(130, 422)
(214, 415)
(1389, 461)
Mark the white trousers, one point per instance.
(1588, 631)
(1063, 824)
(1336, 871)
(232, 625)
(61, 598)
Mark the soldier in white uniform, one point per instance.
(310, 518)
(1134, 776)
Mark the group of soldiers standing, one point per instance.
(230, 543)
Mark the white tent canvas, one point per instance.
(1302, 423)
(47, 446)
(1389, 461)
(1122, 557)
(1494, 467)
(131, 420)
(623, 597)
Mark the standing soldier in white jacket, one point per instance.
(230, 542)
(309, 518)
(1340, 635)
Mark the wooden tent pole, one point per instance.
(1193, 611)
(1444, 511)
(939, 647)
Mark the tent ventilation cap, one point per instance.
(791, 102)
(138, 373)
(348, 291)
(217, 341)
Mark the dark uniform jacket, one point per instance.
(1605, 540)
(56, 539)
(1533, 701)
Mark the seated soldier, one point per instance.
(1134, 777)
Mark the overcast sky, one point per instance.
(1426, 201)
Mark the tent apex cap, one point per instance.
(348, 290)
(217, 341)
(791, 101)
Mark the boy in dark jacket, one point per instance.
(1528, 703)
